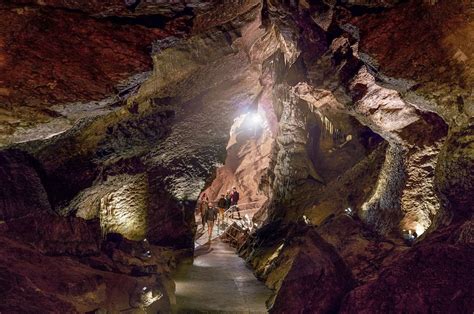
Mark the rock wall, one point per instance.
(354, 83)
(247, 160)
(401, 199)
(105, 169)
(454, 172)
(408, 285)
(22, 192)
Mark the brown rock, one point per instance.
(48, 63)
(20, 295)
(316, 281)
(21, 188)
(433, 277)
(455, 176)
(53, 235)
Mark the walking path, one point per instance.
(218, 281)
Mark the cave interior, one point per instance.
(347, 126)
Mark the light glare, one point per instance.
(256, 118)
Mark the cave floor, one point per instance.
(218, 281)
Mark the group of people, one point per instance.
(209, 213)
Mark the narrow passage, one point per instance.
(218, 281)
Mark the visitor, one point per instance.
(203, 206)
(211, 216)
(221, 206)
(234, 200)
(227, 200)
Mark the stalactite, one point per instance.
(329, 130)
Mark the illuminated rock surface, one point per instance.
(115, 115)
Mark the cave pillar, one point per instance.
(292, 163)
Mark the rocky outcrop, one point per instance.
(337, 50)
(112, 166)
(382, 210)
(14, 295)
(22, 192)
(109, 280)
(455, 172)
(342, 77)
(53, 235)
(434, 276)
(316, 280)
(441, 72)
(87, 61)
(92, 274)
(292, 166)
(57, 87)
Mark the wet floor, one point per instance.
(218, 281)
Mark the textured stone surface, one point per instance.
(340, 77)
(343, 74)
(84, 62)
(113, 162)
(54, 235)
(455, 176)
(248, 157)
(21, 191)
(124, 211)
(35, 282)
(443, 70)
(382, 210)
(111, 45)
(317, 274)
(434, 276)
(16, 288)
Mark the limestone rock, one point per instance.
(53, 235)
(455, 174)
(21, 190)
(16, 289)
(316, 280)
(434, 276)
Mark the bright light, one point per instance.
(409, 235)
(148, 298)
(419, 230)
(256, 119)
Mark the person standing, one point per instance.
(203, 206)
(227, 200)
(234, 200)
(211, 216)
(221, 206)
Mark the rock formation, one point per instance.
(348, 124)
